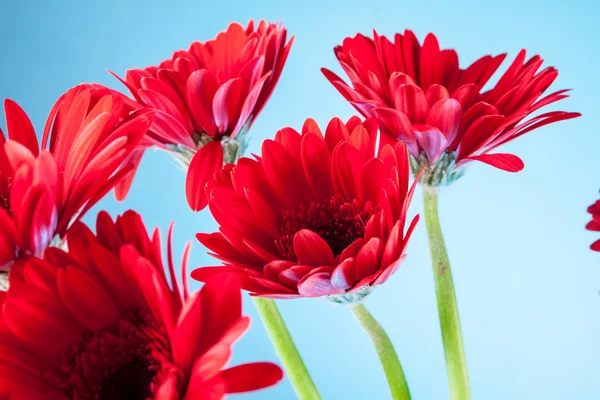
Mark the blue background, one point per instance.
(527, 283)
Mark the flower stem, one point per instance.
(456, 362)
(286, 349)
(385, 350)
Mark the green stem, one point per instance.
(456, 362)
(385, 350)
(286, 349)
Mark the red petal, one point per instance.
(19, 126)
(445, 115)
(226, 104)
(505, 162)
(311, 249)
(87, 300)
(316, 161)
(206, 162)
(249, 377)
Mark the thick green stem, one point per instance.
(385, 350)
(286, 349)
(456, 362)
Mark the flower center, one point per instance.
(339, 221)
(131, 380)
(125, 364)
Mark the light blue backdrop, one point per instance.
(527, 284)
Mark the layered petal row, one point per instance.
(316, 215)
(103, 322)
(421, 96)
(594, 224)
(211, 92)
(87, 141)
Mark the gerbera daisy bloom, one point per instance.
(421, 96)
(211, 93)
(118, 330)
(594, 224)
(85, 144)
(315, 216)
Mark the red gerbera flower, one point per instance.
(112, 328)
(315, 216)
(594, 224)
(421, 96)
(211, 92)
(41, 192)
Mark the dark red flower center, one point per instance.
(339, 221)
(125, 364)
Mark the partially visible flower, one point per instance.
(315, 216)
(102, 322)
(421, 96)
(594, 224)
(85, 147)
(211, 93)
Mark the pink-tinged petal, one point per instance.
(249, 377)
(399, 126)
(344, 275)
(431, 140)
(200, 90)
(311, 249)
(595, 246)
(318, 284)
(206, 162)
(226, 104)
(505, 162)
(292, 275)
(316, 161)
(19, 126)
(445, 115)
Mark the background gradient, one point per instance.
(527, 284)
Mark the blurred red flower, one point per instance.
(315, 216)
(115, 329)
(211, 93)
(86, 143)
(421, 96)
(594, 224)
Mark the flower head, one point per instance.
(421, 96)
(315, 216)
(594, 224)
(102, 322)
(85, 147)
(211, 92)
